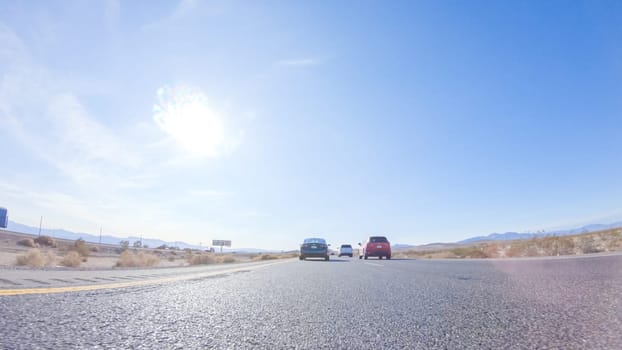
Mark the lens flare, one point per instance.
(185, 115)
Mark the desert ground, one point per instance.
(26, 250)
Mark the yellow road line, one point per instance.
(10, 292)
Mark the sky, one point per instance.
(265, 122)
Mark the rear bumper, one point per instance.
(314, 254)
(378, 253)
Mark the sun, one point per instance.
(185, 115)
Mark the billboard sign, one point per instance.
(221, 243)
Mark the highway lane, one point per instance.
(344, 303)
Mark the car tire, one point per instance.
(365, 257)
(360, 257)
(380, 257)
(301, 257)
(326, 258)
(388, 257)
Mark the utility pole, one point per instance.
(40, 223)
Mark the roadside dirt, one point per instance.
(105, 255)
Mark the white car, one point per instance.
(346, 250)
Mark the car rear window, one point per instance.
(346, 246)
(315, 240)
(378, 239)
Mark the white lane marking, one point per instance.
(373, 264)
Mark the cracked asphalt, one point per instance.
(345, 303)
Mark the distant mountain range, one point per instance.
(151, 242)
(107, 239)
(515, 235)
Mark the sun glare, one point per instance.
(185, 115)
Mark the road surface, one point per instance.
(345, 303)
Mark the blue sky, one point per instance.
(265, 122)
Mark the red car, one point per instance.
(376, 246)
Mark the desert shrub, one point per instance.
(523, 248)
(93, 249)
(227, 259)
(163, 246)
(45, 241)
(35, 258)
(469, 252)
(563, 246)
(588, 245)
(134, 259)
(202, 259)
(72, 259)
(81, 248)
(27, 242)
(267, 257)
(490, 250)
(614, 241)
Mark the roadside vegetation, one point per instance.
(588, 243)
(265, 257)
(131, 258)
(71, 259)
(27, 242)
(45, 241)
(81, 248)
(201, 258)
(204, 258)
(274, 256)
(41, 251)
(35, 258)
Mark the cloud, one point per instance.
(117, 213)
(184, 7)
(181, 11)
(112, 12)
(215, 194)
(66, 162)
(299, 62)
(55, 125)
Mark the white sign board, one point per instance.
(221, 243)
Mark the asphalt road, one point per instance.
(345, 303)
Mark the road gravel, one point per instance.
(343, 304)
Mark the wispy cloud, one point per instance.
(299, 62)
(183, 9)
(55, 125)
(213, 194)
(112, 10)
(86, 171)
